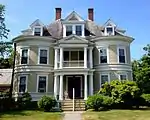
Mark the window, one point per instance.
(109, 30)
(103, 55)
(79, 30)
(121, 55)
(38, 31)
(22, 83)
(104, 78)
(123, 77)
(81, 55)
(68, 30)
(24, 56)
(43, 56)
(42, 84)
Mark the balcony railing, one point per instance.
(73, 63)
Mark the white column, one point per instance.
(91, 58)
(85, 87)
(56, 60)
(55, 86)
(61, 58)
(85, 57)
(81, 86)
(61, 88)
(91, 84)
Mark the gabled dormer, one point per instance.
(37, 28)
(73, 24)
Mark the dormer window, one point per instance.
(79, 30)
(68, 30)
(38, 31)
(109, 30)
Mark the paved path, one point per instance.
(73, 115)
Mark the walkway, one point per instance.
(73, 115)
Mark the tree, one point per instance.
(141, 71)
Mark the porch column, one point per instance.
(55, 86)
(61, 58)
(61, 88)
(56, 60)
(85, 87)
(85, 57)
(91, 57)
(91, 84)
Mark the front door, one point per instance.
(74, 82)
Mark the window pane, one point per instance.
(66, 55)
(104, 78)
(37, 31)
(74, 55)
(109, 29)
(22, 84)
(121, 59)
(24, 57)
(42, 84)
(123, 77)
(103, 55)
(25, 53)
(121, 55)
(78, 30)
(43, 53)
(81, 55)
(68, 30)
(103, 59)
(121, 52)
(43, 56)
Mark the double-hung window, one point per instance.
(78, 30)
(24, 56)
(104, 78)
(42, 84)
(121, 55)
(43, 57)
(103, 55)
(123, 77)
(22, 83)
(68, 30)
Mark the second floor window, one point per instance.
(24, 56)
(79, 30)
(42, 84)
(121, 55)
(43, 56)
(103, 55)
(68, 30)
(22, 84)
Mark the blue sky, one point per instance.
(131, 15)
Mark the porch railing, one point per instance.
(73, 63)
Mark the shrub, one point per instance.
(123, 93)
(146, 98)
(98, 101)
(47, 103)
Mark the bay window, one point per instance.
(103, 55)
(121, 52)
(43, 56)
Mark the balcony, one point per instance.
(73, 63)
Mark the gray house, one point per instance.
(70, 53)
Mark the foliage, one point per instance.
(122, 92)
(146, 97)
(141, 71)
(47, 103)
(98, 101)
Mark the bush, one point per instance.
(123, 93)
(47, 103)
(146, 98)
(97, 102)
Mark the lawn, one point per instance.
(31, 115)
(118, 115)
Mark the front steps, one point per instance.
(67, 105)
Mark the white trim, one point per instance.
(41, 27)
(43, 48)
(106, 33)
(107, 52)
(23, 75)
(37, 85)
(28, 54)
(121, 47)
(108, 74)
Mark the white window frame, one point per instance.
(113, 30)
(22, 75)
(123, 74)
(122, 47)
(24, 48)
(73, 29)
(108, 74)
(43, 48)
(107, 51)
(41, 27)
(43, 75)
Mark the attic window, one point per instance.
(38, 31)
(109, 30)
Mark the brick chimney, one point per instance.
(91, 14)
(58, 13)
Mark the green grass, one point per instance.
(118, 115)
(30, 115)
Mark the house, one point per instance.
(69, 53)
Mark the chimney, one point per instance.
(58, 13)
(91, 14)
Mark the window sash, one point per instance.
(37, 31)
(42, 84)
(104, 78)
(79, 30)
(69, 30)
(121, 55)
(103, 55)
(43, 56)
(24, 56)
(22, 84)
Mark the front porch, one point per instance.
(64, 84)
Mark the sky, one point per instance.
(131, 15)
